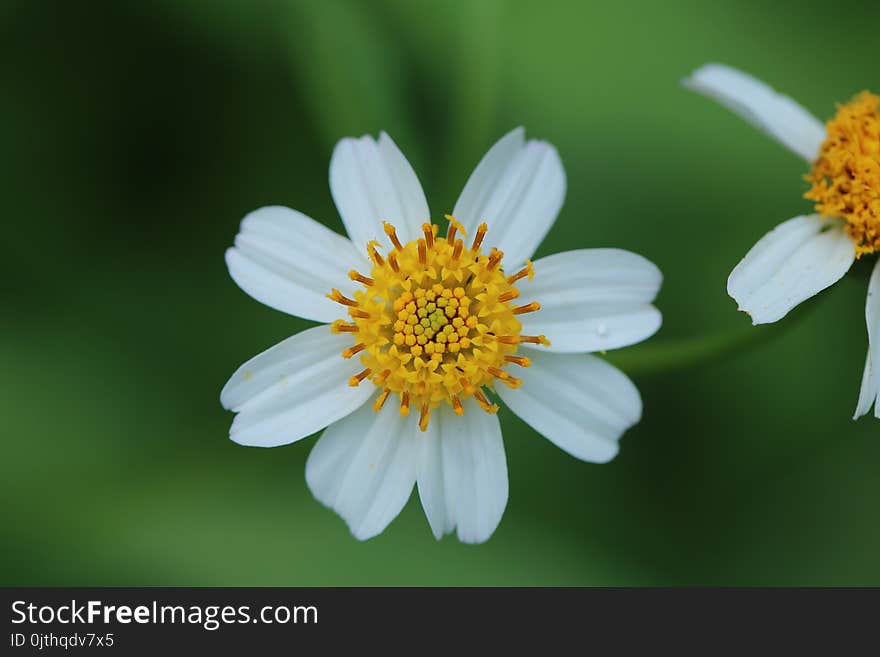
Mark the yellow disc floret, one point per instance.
(845, 180)
(435, 322)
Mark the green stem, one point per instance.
(664, 356)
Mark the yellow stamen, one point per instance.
(454, 227)
(456, 252)
(450, 234)
(338, 297)
(484, 402)
(380, 400)
(528, 270)
(391, 232)
(360, 278)
(527, 308)
(512, 381)
(478, 238)
(351, 351)
(424, 417)
(340, 326)
(374, 254)
(518, 339)
(428, 230)
(423, 252)
(456, 405)
(434, 322)
(845, 180)
(355, 380)
(494, 259)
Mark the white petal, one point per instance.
(793, 262)
(580, 403)
(437, 501)
(870, 390)
(592, 300)
(364, 468)
(463, 473)
(372, 182)
(517, 189)
(484, 179)
(777, 115)
(290, 262)
(293, 389)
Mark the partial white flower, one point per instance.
(803, 256)
(870, 391)
(435, 323)
(793, 262)
(777, 115)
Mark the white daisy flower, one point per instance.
(420, 328)
(803, 256)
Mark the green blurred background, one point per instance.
(136, 136)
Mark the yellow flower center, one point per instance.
(846, 177)
(435, 322)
